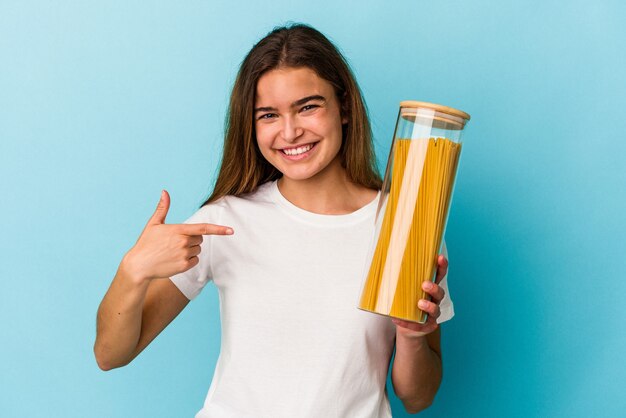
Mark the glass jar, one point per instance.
(413, 209)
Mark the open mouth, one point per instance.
(299, 150)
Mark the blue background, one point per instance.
(103, 104)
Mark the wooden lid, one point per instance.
(436, 107)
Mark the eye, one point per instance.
(308, 107)
(267, 116)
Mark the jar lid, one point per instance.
(438, 108)
(438, 116)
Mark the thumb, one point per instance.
(161, 211)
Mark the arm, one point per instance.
(131, 315)
(141, 302)
(416, 373)
(417, 368)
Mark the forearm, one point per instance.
(119, 320)
(416, 373)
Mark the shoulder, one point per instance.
(263, 195)
(208, 213)
(260, 197)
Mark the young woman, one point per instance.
(286, 232)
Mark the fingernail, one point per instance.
(428, 285)
(422, 304)
(229, 231)
(162, 194)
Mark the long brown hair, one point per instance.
(243, 167)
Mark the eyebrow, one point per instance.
(297, 103)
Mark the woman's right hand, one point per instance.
(165, 250)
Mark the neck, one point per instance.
(330, 192)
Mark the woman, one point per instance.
(298, 190)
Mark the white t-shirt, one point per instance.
(294, 343)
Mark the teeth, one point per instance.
(299, 150)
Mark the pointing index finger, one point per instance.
(204, 229)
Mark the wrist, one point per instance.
(411, 338)
(131, 272)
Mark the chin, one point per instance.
(297, 176)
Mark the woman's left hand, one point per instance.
(412, 329)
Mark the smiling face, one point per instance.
(298, 123)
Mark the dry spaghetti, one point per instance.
(422, 177)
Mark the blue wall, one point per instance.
(103, 104)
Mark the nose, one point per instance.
(291, 130)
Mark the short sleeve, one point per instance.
(446, 306)
(192, 281)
